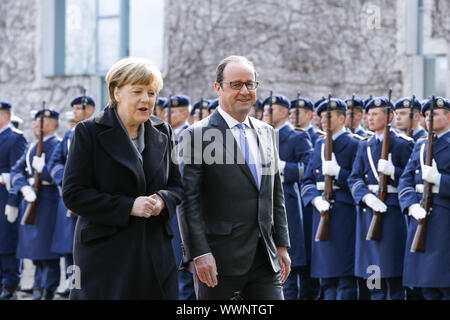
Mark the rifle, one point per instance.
(169, 110)
(352, 115)
(411, 118)
(30, 212)
(297, 110)
(83, 103)
(419, 240)
(271, 109)
(374, 232)
(323, 229)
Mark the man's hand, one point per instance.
(206, 269)
(331, 168)
(431, 174)
(285, 263)
(28, 193)
(374, 203)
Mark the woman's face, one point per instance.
(135, 103)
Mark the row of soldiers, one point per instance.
(348, 265)
(49, 237)
(332, 269)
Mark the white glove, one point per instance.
(6, 180)
(321, 204)
(387, 167)
(28, 193)
(11, 213)
(39, 163)
(374, 203)
(417, 211)
(431, 174)
(331, 167)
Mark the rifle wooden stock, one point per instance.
(323, 229)
(419, 240)
(374, 232)
(30, 212)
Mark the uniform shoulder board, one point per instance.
(322, 136)
(357, 136)
(298, 128)
(321, 132)
(404, 136)
(16, 130)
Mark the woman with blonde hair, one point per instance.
(121, 182)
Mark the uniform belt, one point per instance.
(374, 188)
(421, 187)
(43, 182)
(321, 186)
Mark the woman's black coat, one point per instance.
(121, 256)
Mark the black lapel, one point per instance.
(119, 147)
(156, 144)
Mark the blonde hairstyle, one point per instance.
(132, 70)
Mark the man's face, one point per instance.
(49, 126)
(357, 115)
(78, 115)
(279, 115)
(237, 103)
(336, 121)
(377, 118)
(402, 118)
(178, 116)
(441, 120)
(304, 117)
(4, 118)
(197, 114)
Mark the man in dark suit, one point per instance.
(233, 219)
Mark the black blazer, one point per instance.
(223, 211)
(121, 256)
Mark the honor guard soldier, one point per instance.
(200, 110)
(83, 107)
(259, 109)
(35, 239)
(332, 259)
(295, 150)
(429, 268)
(159, 107)
(385, 253)
(213, 105)
(407, 117)
(305, 109)
(356, 105)
(179, 114)
(12, 146)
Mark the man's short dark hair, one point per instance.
(224, 62)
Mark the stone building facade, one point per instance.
(311, 46)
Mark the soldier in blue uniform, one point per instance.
(295, 149)
(202, 105)
(309, 287)
(179, 114)
(258, 109)
(159, 107)
(333, 261)
(62, 242)
(213, 105)
(35, 240)
(12, 146)
(402, 112)
(358, 110)
(429, 270)
(386, 254)
(306, 114)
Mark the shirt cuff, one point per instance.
(202, 256)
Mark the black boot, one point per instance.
(37, 293)
(47, 295)
(7, 293)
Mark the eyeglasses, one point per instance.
(237, 85)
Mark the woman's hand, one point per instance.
(147, 206)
